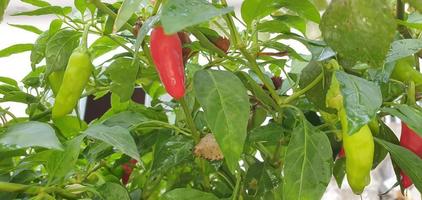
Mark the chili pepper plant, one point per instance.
(235, 112)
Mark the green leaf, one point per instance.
(116, 136)
(409, 162)
(362, 99)
(339, 170)
(356, 32)
(123, 75)
(60, 163)
(308, 163)
(14, 49)
(3, 6)
(170, 153)
(48, 10)
(411, 115)
(292, 21)
(304, 8)
(179, 14)
(38, 52)
(273, 26)
(29, 28)
(9, 81)
(256, 89)
(258, 180)
(257, 9)
(70, 126)
(125, 119)
(188, 193)
(226, 104)
(270, 134)
(145, 28)
(59, 48)
(38, 3)
(403, 48)
(31, 134)
(128, 8)
(104, 45)
(113, 191)
(81, 5)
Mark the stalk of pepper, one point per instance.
(166, 51)
(76, 76)
(358, 147)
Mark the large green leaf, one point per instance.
(123, 75)
(60, 163)
(362, 99)
(409, 162)
(59, 48)
(104, 45)
(303, 8)
(412, 116)
(308, 163)
(226, 105)
(14, 49)
(48, 10)
(126, 119)
(116, 136)
(356, 32)
(258, 180)
(403, 48)
(188, 193)
(179, 14)
(31, 134)
(113, 191)
(38, 52)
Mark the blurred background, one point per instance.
(17, 66)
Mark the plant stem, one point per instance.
(400, 15)
(189, 120)
(101, 6)
(304, 90)
(411, 94)
(237, 187)
(156, 6)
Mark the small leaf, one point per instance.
(412, 116)
(409, 162)
(29, 28)
(38, 3)
(356, 32)
(81, 5)
(123, 75)
(104, 45)
(256, 9)
(188, 193)
(59, 48)
(269, 134)
(113, 191)
(128, 8)
(125, 119)
(226, 105)
(403, 48)
(308, 163)
(362, 99)
(273, 26)
(116, 136)
(14, 49)
(38, 52)
(70, 126)
(31, 134)
(179, 14)
(304, 8)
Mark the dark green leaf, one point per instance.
(409, 162)
(271, 133)
(14, 49)
(115, 136)
(81, 5)
(123, 74)
(188, 193)
(59, 48)
(125, 119)
(356, 32)
(31, 134)
(226, 105)
(113, 191)
(362, 99)
(179, 14)
(104, 44)
(308, 163)
(412, 116)
(256, 89)
(339, 170)
(29, 28)
(258, 181)
(403, 48)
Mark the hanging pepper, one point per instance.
(166, 51)
(75, 78)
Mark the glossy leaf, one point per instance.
(31, 134)
(356, 32)
(115, 136)
(308, 163)
(412, 116)
(104, 45)
(123, 74)
(59, 48)
(126, 119)
(226, 105)
(179, 14)
(361, 100)
(113, 191)
(128, 8)
(403, 48)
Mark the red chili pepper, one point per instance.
(341, 154)
(127, 170)
(167, 55)
(412, 141)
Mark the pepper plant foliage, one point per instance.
(272, 137)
